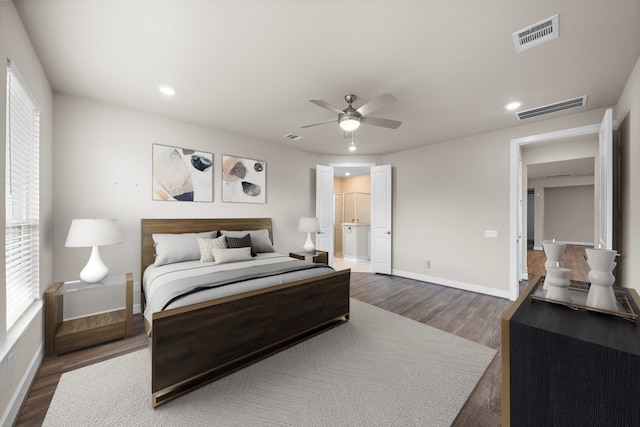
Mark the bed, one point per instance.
(194, 343)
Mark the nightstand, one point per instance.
(63, 336)
(319, 257)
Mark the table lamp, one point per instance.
(93, 233)
(309, 225)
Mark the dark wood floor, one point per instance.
(472, 316)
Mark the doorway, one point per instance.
(518, 181)
(352, 217)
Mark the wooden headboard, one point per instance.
(180, 225)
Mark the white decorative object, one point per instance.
(553, 251)
(309, 225)
(93, 233)
(601, 293)
(557, 281)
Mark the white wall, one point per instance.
(569, 214)
(539, 186)
(103, 169)
(24, 341)
(446, 196)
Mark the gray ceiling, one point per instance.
(249, 67)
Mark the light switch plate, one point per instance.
(491, 234)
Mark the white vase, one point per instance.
(557, 281)
(601, 293)
(553, 252)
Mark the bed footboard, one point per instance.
(192, 346)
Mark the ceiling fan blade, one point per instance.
(320, 123)
(324, 104)
(376, 104)
(378, 121)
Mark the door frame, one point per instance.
(516, 197)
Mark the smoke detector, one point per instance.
(536, 34)
(292, 136)
(552, 108)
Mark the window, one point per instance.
(22, 181)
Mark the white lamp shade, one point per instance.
(309, 224)
(93, 232)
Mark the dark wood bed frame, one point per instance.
(194, 345)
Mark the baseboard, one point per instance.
(13, 409)
(582, 243)
(501, 293)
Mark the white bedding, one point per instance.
(156, 276)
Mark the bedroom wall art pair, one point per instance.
(181, 174)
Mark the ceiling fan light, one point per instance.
(167, 90)
(349, 123)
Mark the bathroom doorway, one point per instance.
(352, 217)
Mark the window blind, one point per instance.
(22, 182)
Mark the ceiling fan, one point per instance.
(350, 118)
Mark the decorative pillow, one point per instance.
(240, 242)
(179, 247)
(260, 241)
(206, 246)
(231, 254)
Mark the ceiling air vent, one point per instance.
(536, 34)
(292, 136)
(552, 108)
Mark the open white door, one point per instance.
(605, 225)
(324, 209)
(381, 219)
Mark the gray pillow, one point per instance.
(178, 247)
(260, 241)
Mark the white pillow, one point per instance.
(231, 255)
(260, 241)
(207, 245)
(178, 247)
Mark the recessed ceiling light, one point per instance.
(167, 90)
(513, 105)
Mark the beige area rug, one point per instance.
(379, 369)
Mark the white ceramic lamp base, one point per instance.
(309, 247)
(95, 270)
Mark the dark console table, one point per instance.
(565, 367)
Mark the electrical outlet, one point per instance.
(427, 263)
